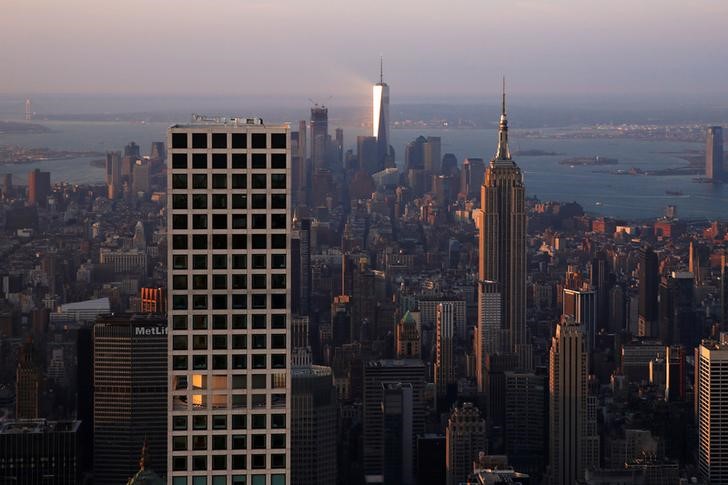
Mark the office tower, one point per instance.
(676, 373)
(617, 308)
(40, 451)
(339, 145)
(711, 362)
(376, 373)
(431, 459)
(449, 166)
(132, 150)
(503, 241)
(304, 172)
(714, 154)
(304, 282)
(723, 291)
(444, 359)
(39, 187)
(570, 428)
(678, 319)
(313, 425)
(472, 176)
(229, 274)
(432, 155)
(525, 420)
(130, 394)
(7, 186)
(153, 300)
(366, 152)
(582, 305)
(649, 280)
(599, 279)
(465, 438)
(490, 337)
(380, 120)
(157, 151)
(341, 320)
(407, 338)
(113, 175)
(699, 261)
(414, 154)
(397, 416)
(27, 384)
(141, 177)
(319, 137)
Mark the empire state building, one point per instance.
(502, 257)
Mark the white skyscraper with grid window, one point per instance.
(228, 279)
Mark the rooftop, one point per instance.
(38, 426)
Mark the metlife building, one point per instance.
(130, 394)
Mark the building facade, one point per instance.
(229, 310)
(714, 154)
(465, 438)
(711, 370)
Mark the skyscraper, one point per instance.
(319, 137)
(444, 346)
(525, 420)
(380, 119)
(407, 338)
(465, 438)
(714, 154)
(711, 363)
(503, 241)
(472, 176)
(39, 187)
(27, 384)
(582, 305)
(113, 174)
(398, 421)
(489, 334)
(649, 281)
(571, 438)
(229, 277)
(130, 394)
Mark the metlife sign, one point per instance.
(149, 331)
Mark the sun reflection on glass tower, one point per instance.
(380, 117)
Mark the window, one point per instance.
(239, 341)
(219, 302)
(278, 160)
(238, 462)
(240, 221)
(239, 241)
(219, 362)
(278, 241)
(278, 281)
(219, 462)
(219, 282)
(278, 460)
(219, 140)
(199, 362)
(239, 160)
(199, 161)
(179, 140)
(219, 221)
(179, 362)
(278, 441)
(239, 140)
(240, 421)
(258, 381)
(199, 221)
(199, 462)
(179, 322)
(239, 382)
(179, 201)
(240, 261)
(278, 140)
(277, 181)
(199, 201)
(259, 322)
(179, 181)
(199, 181)
(179, 342)
(258, 140)
(277, 221)
(219, 421)
(199, 342)
(179, 241)
(199, 442)
(258, 462)
(199, 261)
(258, 181)
(199, 282)
(278, 478)
(219, 241)
(219, 161)
(259, 342)
(179, 302)
(199, 302)
(222, 480)
(240, 201)
(219, 342)
(239, 282)
(257, 442)
(179, 423)
(278, 361)
(259, 221)
(240, 361)
(259, 282)
(199, 322)
(219, 322)
(179, 463)
(258, 361)
(199, 140)
(278, 201)
(239, 442)
(219, 201)
(240, 401)
(199, 422)
(278, 261)
(277, 301)
(239, 322)
(240, 302)
(179, 261)
(239, 181)
(258, 160)
(259, 201)
(219, 181)
(219, 261)
(199, 241)
(278, 421)
(259, 241)
(278, 321)
(179, 282)
(259, 302)
(278, 341)
(240, 480)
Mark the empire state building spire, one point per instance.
(503, 152)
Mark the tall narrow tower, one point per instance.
(28, 110)
(503, 241)
(380, 117)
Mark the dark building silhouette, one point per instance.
(319, 137)
(130, 393)
(431, 453)
(27, 384)
(39, 187)
(649, 281)
(714, 169)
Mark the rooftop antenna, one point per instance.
(381, 69)
(503, 110)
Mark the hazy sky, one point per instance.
(321, 47)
